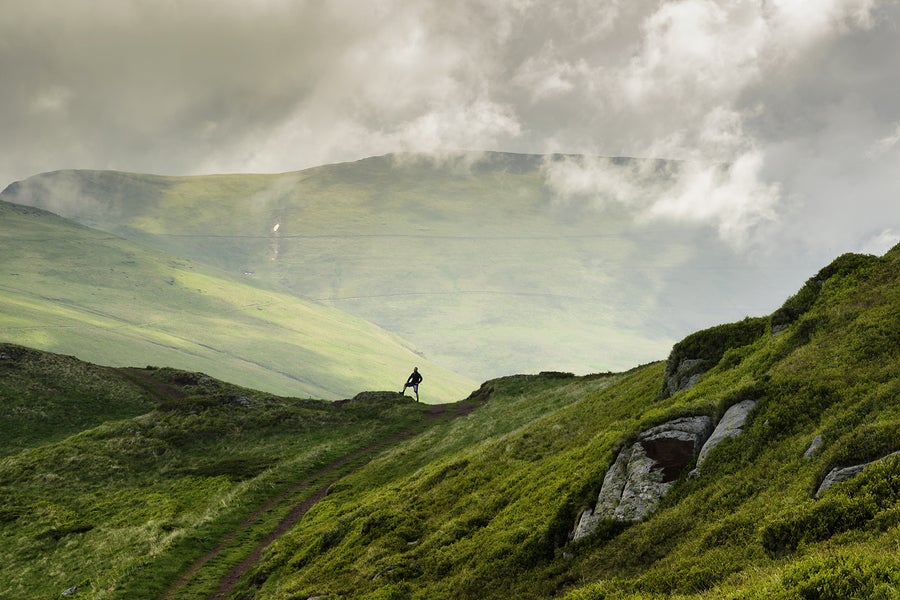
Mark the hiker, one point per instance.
(413, 381)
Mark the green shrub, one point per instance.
(863, 444)
(852, 505)
(801, 302)
(843, 578)
(816, 522)
(796, 305)
(192, 404)
(792, 405)
(708, 346)
(712, 343)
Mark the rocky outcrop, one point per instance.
(841, 474)
(644, 471)
(683, 375)
(731, 425)
(701, 351)
(813, 447)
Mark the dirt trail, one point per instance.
(159, 390)
(326, 477)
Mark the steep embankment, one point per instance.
(66, 288)
(485, 262)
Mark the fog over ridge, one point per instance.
(803, 103)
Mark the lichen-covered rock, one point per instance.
(609, 496)
(841, 474)
(645, 485)
(644, 471)
(683, 376)
(731, 425)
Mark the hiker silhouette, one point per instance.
(413, 381)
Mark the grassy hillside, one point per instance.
(482, 506)
(121, 509)
(482, 510)
(475, 260)
(70, 289)
(48, 397)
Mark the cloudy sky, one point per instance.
(801, 98)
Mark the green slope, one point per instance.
(483, 509)
(122, 509)
(47, 397)
(67, 288)
(474, 260)
(482, 506)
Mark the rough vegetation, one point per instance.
(485, 505)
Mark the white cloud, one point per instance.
(881, 242)
(698, 58)
(53, 99)
(696, 49)
(796, 25)
(732, 198)
(885, 144)
(796, 98)
(476, 125)
(688, 92)
(601, 182)
(546, 75)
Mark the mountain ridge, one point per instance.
(476, 258)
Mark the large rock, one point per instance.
(731, 425)
(644, 471)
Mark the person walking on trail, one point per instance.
(413, 381)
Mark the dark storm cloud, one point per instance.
(803, 103)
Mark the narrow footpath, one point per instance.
(304, 500)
